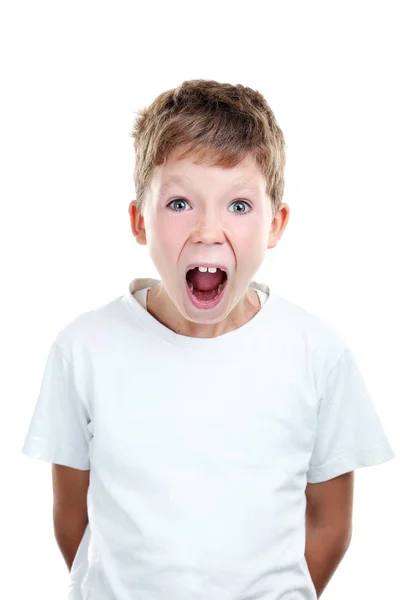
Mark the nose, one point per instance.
(208, 229)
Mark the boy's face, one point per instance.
(211, 215)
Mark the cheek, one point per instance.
(253, 240)
(251, 231)
(166, 238)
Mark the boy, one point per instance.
(220, 424)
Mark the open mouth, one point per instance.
(206, 285)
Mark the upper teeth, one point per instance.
(209, 269)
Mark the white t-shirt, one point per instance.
(200, 449)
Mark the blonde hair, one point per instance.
(218, 123)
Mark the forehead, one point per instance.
(186, 172)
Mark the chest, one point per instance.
(236, 411)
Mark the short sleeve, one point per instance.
(59, 431)
(349, 432)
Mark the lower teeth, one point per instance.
(220, 287)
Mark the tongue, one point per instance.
(205, 281)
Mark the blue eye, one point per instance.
(244, 203)
(241, 212)
(177, 200)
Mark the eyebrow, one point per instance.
(175, 179)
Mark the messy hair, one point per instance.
(216, 123)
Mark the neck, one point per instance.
(160, 306)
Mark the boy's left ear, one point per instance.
(137, 223)
(278, 225)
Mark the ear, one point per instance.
(137, 223)
(278, 225)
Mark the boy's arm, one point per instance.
(70, 517)
(328, 526)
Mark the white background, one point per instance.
(72, 76)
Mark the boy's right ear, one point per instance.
(137, 223)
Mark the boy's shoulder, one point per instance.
(93, 328)
(295, 314)
(316, 334)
